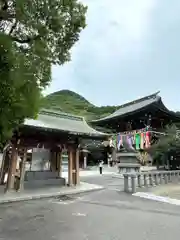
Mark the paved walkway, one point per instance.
(94, 171)
(58, 191)
(48, 192)
(104, 215)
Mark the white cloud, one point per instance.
(130, 48)
(114, 30)
(116, 23)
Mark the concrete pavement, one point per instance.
(109, 214)
(48, 192)
(94, 171)
(59, 191)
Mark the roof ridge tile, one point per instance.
(60, 114)
(154, 95)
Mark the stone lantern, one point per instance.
(85, 154)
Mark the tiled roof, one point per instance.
(54, 120)
(135, 106)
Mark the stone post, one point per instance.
(169, 176)
(133, 183)
(156, 179)
(166, 178)
(150, 179)
(174, 176)
(160, 178)
(139, 180)
(178, 175)
(145, 180)
(126, 182)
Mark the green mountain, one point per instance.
(71, 102)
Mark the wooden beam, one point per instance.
(22, 170)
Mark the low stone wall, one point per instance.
(40, 179)
(40, 175)
(132, 181)
(37, 184)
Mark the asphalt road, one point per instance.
(107, 214)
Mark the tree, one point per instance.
(166, 143)
(34, 35)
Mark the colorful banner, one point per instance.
(137, 139)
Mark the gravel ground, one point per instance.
(170, 190)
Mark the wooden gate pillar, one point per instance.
(77, 167)
(75, 170)
(70, 166)
(53, 159)
(59, 162)
(73, 166)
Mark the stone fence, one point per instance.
(132, 181)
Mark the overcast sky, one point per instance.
(129, 49)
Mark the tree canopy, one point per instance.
(34, 34)
(73, 103)
(165, 143)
